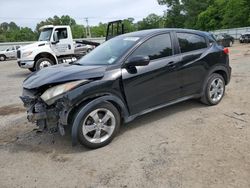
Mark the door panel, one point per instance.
(193, 72)
(157, 83)
(152, 85)
(193, 49)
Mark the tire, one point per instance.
(230, 43)
(2, 57)
(214, 90)
(91, 125)
(42, 63)
(32, 69)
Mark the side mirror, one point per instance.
(137, 61)
(55, 38)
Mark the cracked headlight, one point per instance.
(51, 94)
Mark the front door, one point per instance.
(157, 83)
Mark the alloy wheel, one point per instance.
(216, 90)
(98, 125)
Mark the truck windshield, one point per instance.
(45, 34)
(109, 52)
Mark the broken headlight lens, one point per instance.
(55, 91)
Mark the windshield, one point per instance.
(45, 34)
(109, 52)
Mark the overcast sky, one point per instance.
(29, 12)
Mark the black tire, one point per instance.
(2, 57)
(39, 61)
(32, 69)
(104, 105)
(206, 99)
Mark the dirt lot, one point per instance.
(188, 145)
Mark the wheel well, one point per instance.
(47, 55)
(223, 74)
(73, 111)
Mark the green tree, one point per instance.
(174, 15)
(150, 22)
(236, 14)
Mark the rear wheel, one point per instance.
(99, 125)
(2, 57)
(215, 90)
(43, 63)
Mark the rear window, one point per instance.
(190, 42)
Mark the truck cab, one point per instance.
(55, 45)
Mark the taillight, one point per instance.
(226, 50)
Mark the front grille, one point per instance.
(18, 54)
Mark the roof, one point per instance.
(144, 33)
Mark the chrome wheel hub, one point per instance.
(216, 90)
(98, 125)
(44, 64)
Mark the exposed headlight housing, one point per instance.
(26, 54)
(51, 94)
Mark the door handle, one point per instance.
(171, 64)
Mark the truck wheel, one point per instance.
(2, 57)
(214, 91)
(43, 63)
(98, 125)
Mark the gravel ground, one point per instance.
(187, 145)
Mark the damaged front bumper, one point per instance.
(46, 117)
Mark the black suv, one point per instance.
(125, 77)
(225, 40)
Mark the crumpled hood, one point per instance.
(33, 45)
(62, 73)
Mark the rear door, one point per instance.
(157, 83)
(192, 49)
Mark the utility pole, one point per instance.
(87, 29)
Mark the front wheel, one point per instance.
(43, 63)
(215, 90)
(99, 125)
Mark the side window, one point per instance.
(190, 42)
(62, 33)
(157, 47)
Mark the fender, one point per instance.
(88, 106)
(46, 54)
(215, 69)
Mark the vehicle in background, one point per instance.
(125, 77)
(225, 40)
(9, 53)
(83, 48)
(245, 38)
(56, 45)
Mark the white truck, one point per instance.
(55, 45)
